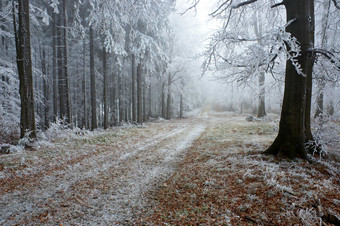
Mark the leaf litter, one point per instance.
(206, 170)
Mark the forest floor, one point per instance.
(203, 170)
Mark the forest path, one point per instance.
(97, 179)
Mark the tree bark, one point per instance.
(105, 89)
(61, 80)
(163, 101)
(46, 90)
(133, 88)
(291, 138)
(144, 101)
(150, 98)
(319, 99)
(93, 84)
(321, 83)
(54, 65)
(168, 101)
(139, 94)
(84, 86)
(114, 102)
(120, 97)
(66, 77)
(261, 112)
(24, 63)
(181, 106)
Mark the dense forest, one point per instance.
(93, 64)
(101, 63)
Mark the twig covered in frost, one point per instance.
(325, 134)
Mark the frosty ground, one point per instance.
(206, 169)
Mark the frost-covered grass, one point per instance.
(226, 179)
(93, 178)
(205, 170)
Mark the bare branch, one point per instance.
(243, 4)
(218, 9)
(193, 6)
(336, 4)
(329, 55)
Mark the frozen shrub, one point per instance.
(326, 135)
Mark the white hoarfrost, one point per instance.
(96, 180)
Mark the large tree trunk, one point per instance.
(105, 89)
(24, 63)
(139, 94)
(93, 84)
(291, 138)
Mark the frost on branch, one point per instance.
(290, 46)
(326, 135)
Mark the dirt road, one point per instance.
(93, 179)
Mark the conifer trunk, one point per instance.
(93, 84)
(24, 63)
(139, 94)
(54, 65)
(133, 88)
(105, 89)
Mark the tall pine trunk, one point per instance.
(93, 84)
(61, 80)
(54, 65)
(133, 88)
(139, 94)
(105, 89)
(84, 87)
(163, 101)
(24, 63)
(114, 101)
(291, 138)
(168, 101)
(66, 77)
(46, 90)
